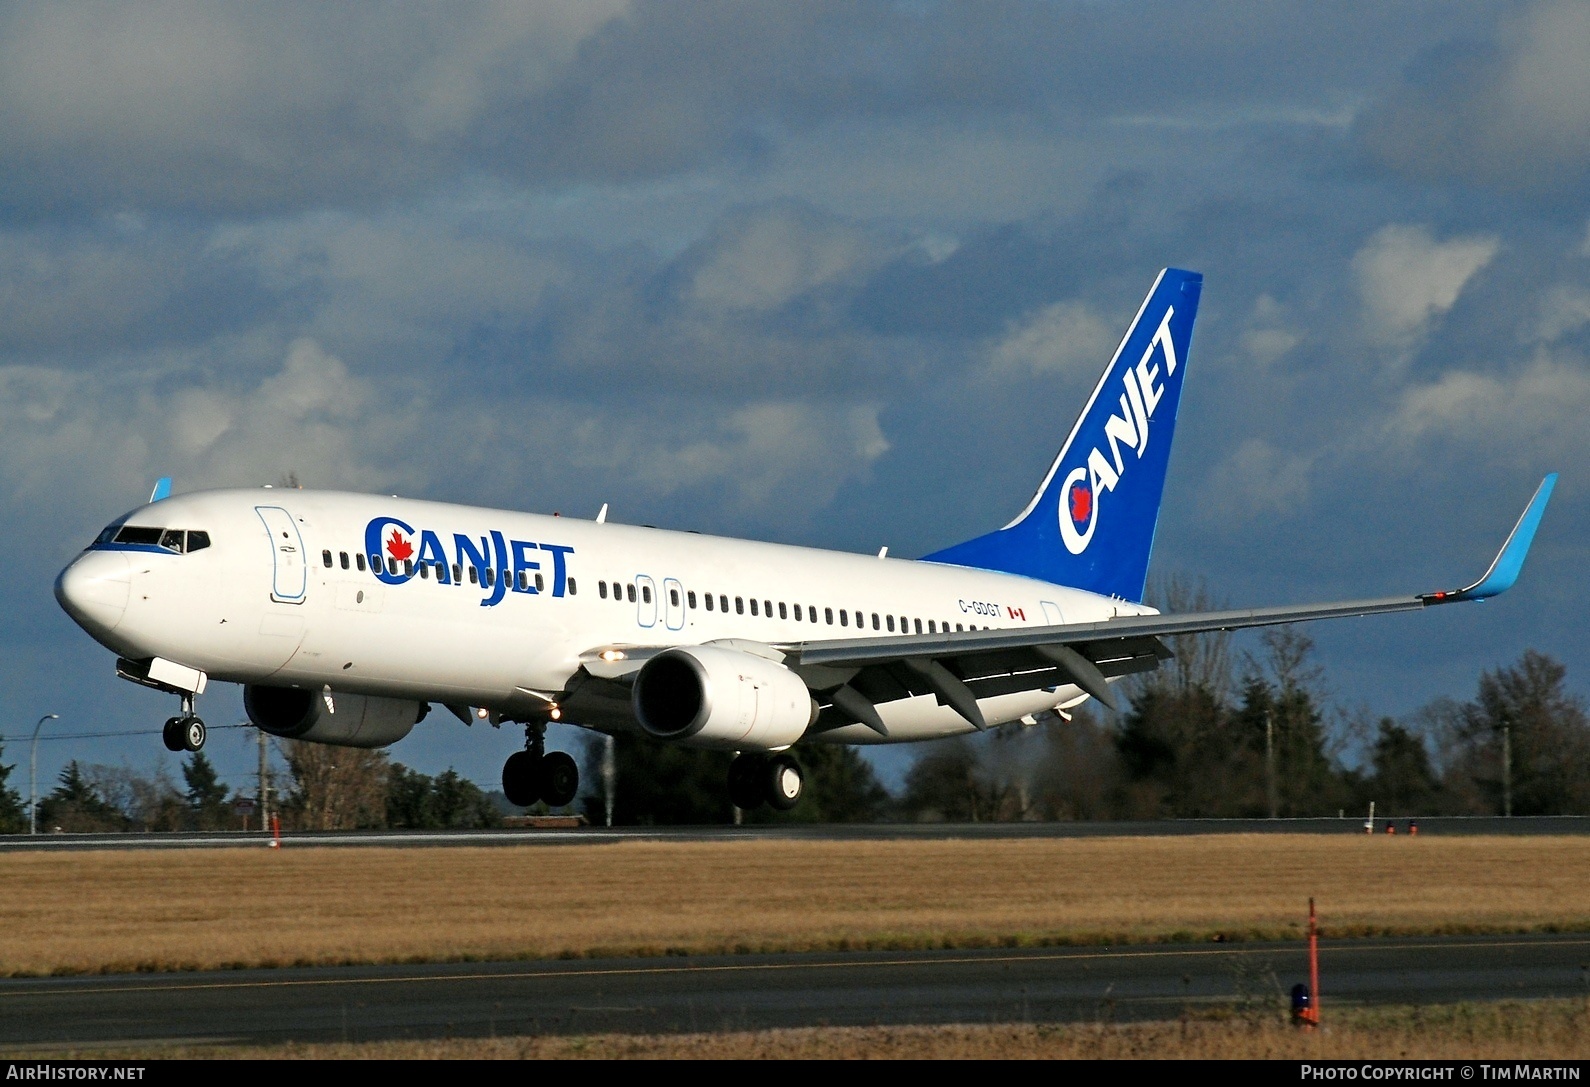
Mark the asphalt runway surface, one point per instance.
(1436, 825)
(748, 992)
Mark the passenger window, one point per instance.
(325, 558)
(408, 567)
(723, 603)
(811, 609)
(739, 605)
(573, 588)
(767, 608)
(645, 594)
(673, 598)
(891, 624)
(753, 605)
(918, 623)
(690, 598)
(782, 613)
(601, 589)
(524, 581)
(343, 557)
(474, 575)
(957, 626)
(709, 601)
(629, 591)
(797, 613)
(425, 571)
(198, 541)
(358, 560)
(877, 625)
(541, 585)
(458, 574)
(844, 620)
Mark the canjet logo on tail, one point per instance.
(493, 563)
(1084, 485)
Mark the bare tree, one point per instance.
(336, 788)
(1201, 661)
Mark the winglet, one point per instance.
(1509, 560)
(162, 489)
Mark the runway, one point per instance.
(766, 991)
(1427, 825)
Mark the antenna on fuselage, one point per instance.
(601, 516)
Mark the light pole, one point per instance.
(33, 774)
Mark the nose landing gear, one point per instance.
(186, 732)
(756, 779)
(538, 774)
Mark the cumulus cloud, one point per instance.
(101, 437)
(1269, 337)
(254, 108)
(1061, 338)
(1257, 479)
(763, 261)
(1518, 417)
(1512, 111)
(1564, 310)
(1406, 278)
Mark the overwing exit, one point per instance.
(347, 617)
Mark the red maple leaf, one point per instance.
(1081, 503)
(398, 547)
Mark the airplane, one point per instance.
(347, 617)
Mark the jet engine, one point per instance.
(347, 720)
(709, 696)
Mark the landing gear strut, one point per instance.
(775, 780)
(538, 774)
(185, 732)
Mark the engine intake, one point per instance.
(351, 720)
(709, 696)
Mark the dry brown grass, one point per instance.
(250, 906)
(1539, 1030)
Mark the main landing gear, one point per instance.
(538, 774)
(185, 732)
(775, 780)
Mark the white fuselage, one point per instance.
(260, 604)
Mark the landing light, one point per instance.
(556, 714)
(482, 712)
(611, 655)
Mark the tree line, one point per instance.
(327, 788)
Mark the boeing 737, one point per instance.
(347, 617)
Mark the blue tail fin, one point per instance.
(1091, 524)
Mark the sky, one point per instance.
(838, 275)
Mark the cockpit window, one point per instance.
(133, 534)
(171, 539)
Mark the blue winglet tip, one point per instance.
(162, 489)
(1509, 561)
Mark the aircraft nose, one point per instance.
(94, 588)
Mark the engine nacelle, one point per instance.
(351, 720)
(709, 696)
